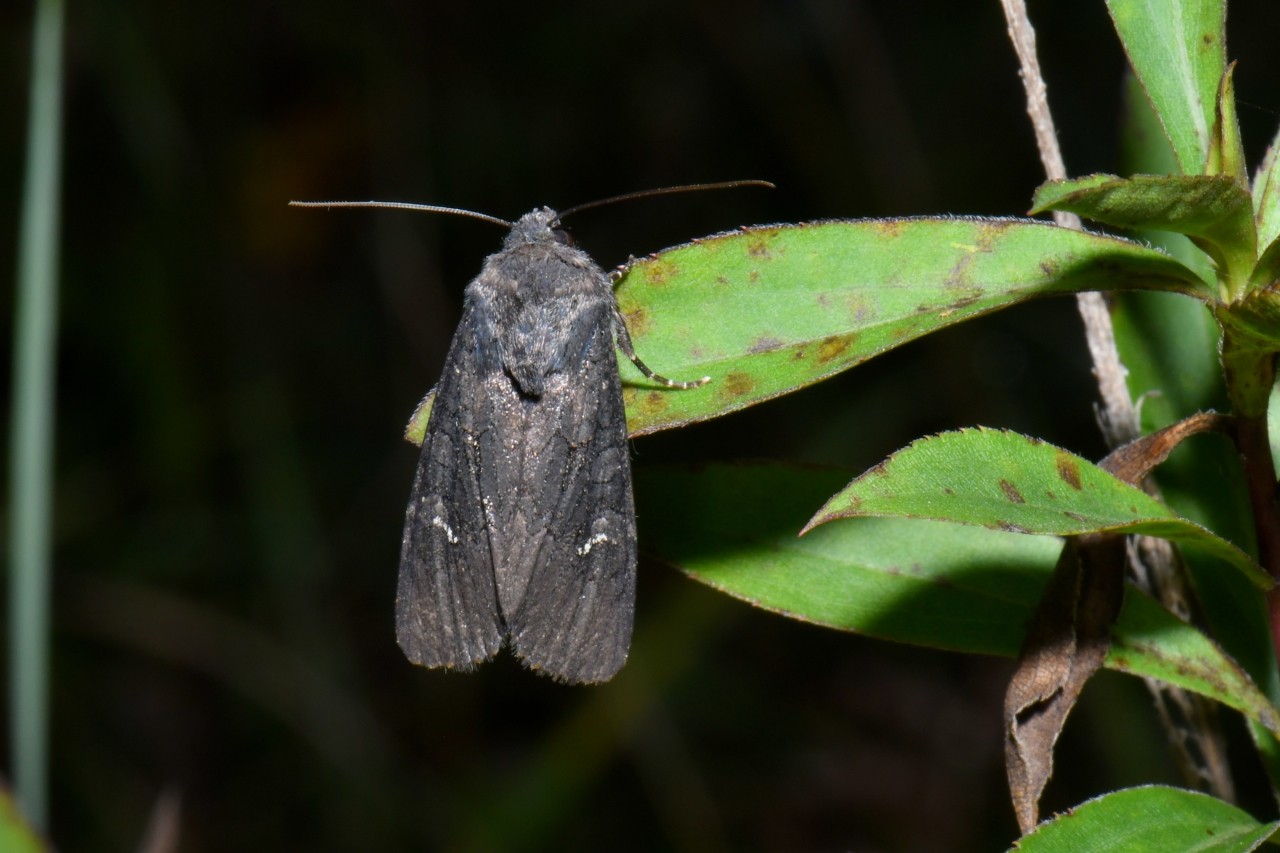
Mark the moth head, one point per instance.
(540, 225)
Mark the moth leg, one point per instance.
(624, 342)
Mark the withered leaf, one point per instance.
(1067, 642)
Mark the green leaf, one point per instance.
(928, 583)
(1151, 642)
(735, 528)
(1005, 481)
(16, 834)
(767, 310)
(415, 432)
(1209, 206)
(1177, 48)
(925, 583)
(1215, 210)
(1266, 195)
(1250, 326)
(1169, 346)
(1146, 150)
(1152, 818)
(1266, 273)
(1226, 150)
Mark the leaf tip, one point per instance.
(820, 518)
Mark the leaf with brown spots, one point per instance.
(975, 476)
(781, 307)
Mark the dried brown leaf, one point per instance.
(1067, 642)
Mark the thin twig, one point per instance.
(1118, 416)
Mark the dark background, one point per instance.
(234, 376)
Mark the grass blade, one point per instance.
(31, 445)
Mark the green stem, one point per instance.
(1259, 467)
(1250, 372)
(31, 445)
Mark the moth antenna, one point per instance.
(624, 343)
(685, 188)
(405, 205)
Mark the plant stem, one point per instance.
(1250, 372)
(1255, 451)
(1259, 470)
(31, 445)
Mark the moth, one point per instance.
(520, 527)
